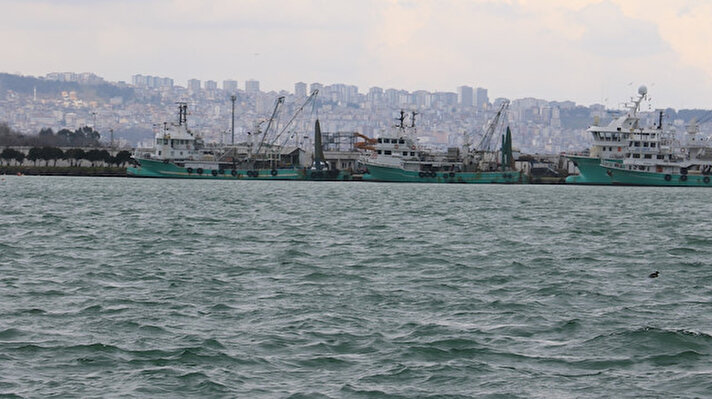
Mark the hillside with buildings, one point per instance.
(132, 111)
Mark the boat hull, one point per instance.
(590, 171)
(642, 178)
(160, 169)
(398, 175)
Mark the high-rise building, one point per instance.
(375, 94)
(139, 80)
(151, 81)
(252, 86)
(465, 96)
(211, 85)
(194, 84)
(481, 99)
(300, 89)
(316, 86)
(230, 85)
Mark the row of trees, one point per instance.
(82, 137)
(74, 155)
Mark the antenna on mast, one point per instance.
(401, 121)
(182, 113)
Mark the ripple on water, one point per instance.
(170, 288)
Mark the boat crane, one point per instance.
(486, 139)
(277, 105)
(311, 99)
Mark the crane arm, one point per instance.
(277, 104)
(366, 138)
(492, 127)
(311, 98)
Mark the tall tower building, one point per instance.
(194, 84)
(481, 98)
(465, 96)
(316, 86)
(300, 89)
(211, 85)
(252, 86)
(230, 85)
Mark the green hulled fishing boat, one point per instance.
(625, 153)
(180, 153)
(609, 145)
(661, 159)
(398, 158)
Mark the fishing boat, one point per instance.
(624, 153)
(178, 152)
(659, 159)
(608, 147)
(397, 157)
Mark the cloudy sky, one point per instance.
(588, 51)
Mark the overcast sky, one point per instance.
(588, 51)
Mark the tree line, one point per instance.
(81, 137)
(74, 155)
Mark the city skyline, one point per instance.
(586, 51)
(444, 118)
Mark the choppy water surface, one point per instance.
(169, 288)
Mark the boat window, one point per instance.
(636, 155)
(386, 141)
(661, 157)
(647, 156)
(412, 154)
(401, 141)
(159, 153)
(637, 144)
(652, 145)
(380, 140)
(387, 152)
(379, 151)
(405, 153)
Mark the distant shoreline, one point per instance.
(97, 171)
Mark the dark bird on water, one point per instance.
(654, 274)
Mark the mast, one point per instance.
(232, 126)
(401, 120)
(182, 113)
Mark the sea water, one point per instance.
(115, 287)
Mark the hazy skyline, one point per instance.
(581, 50)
